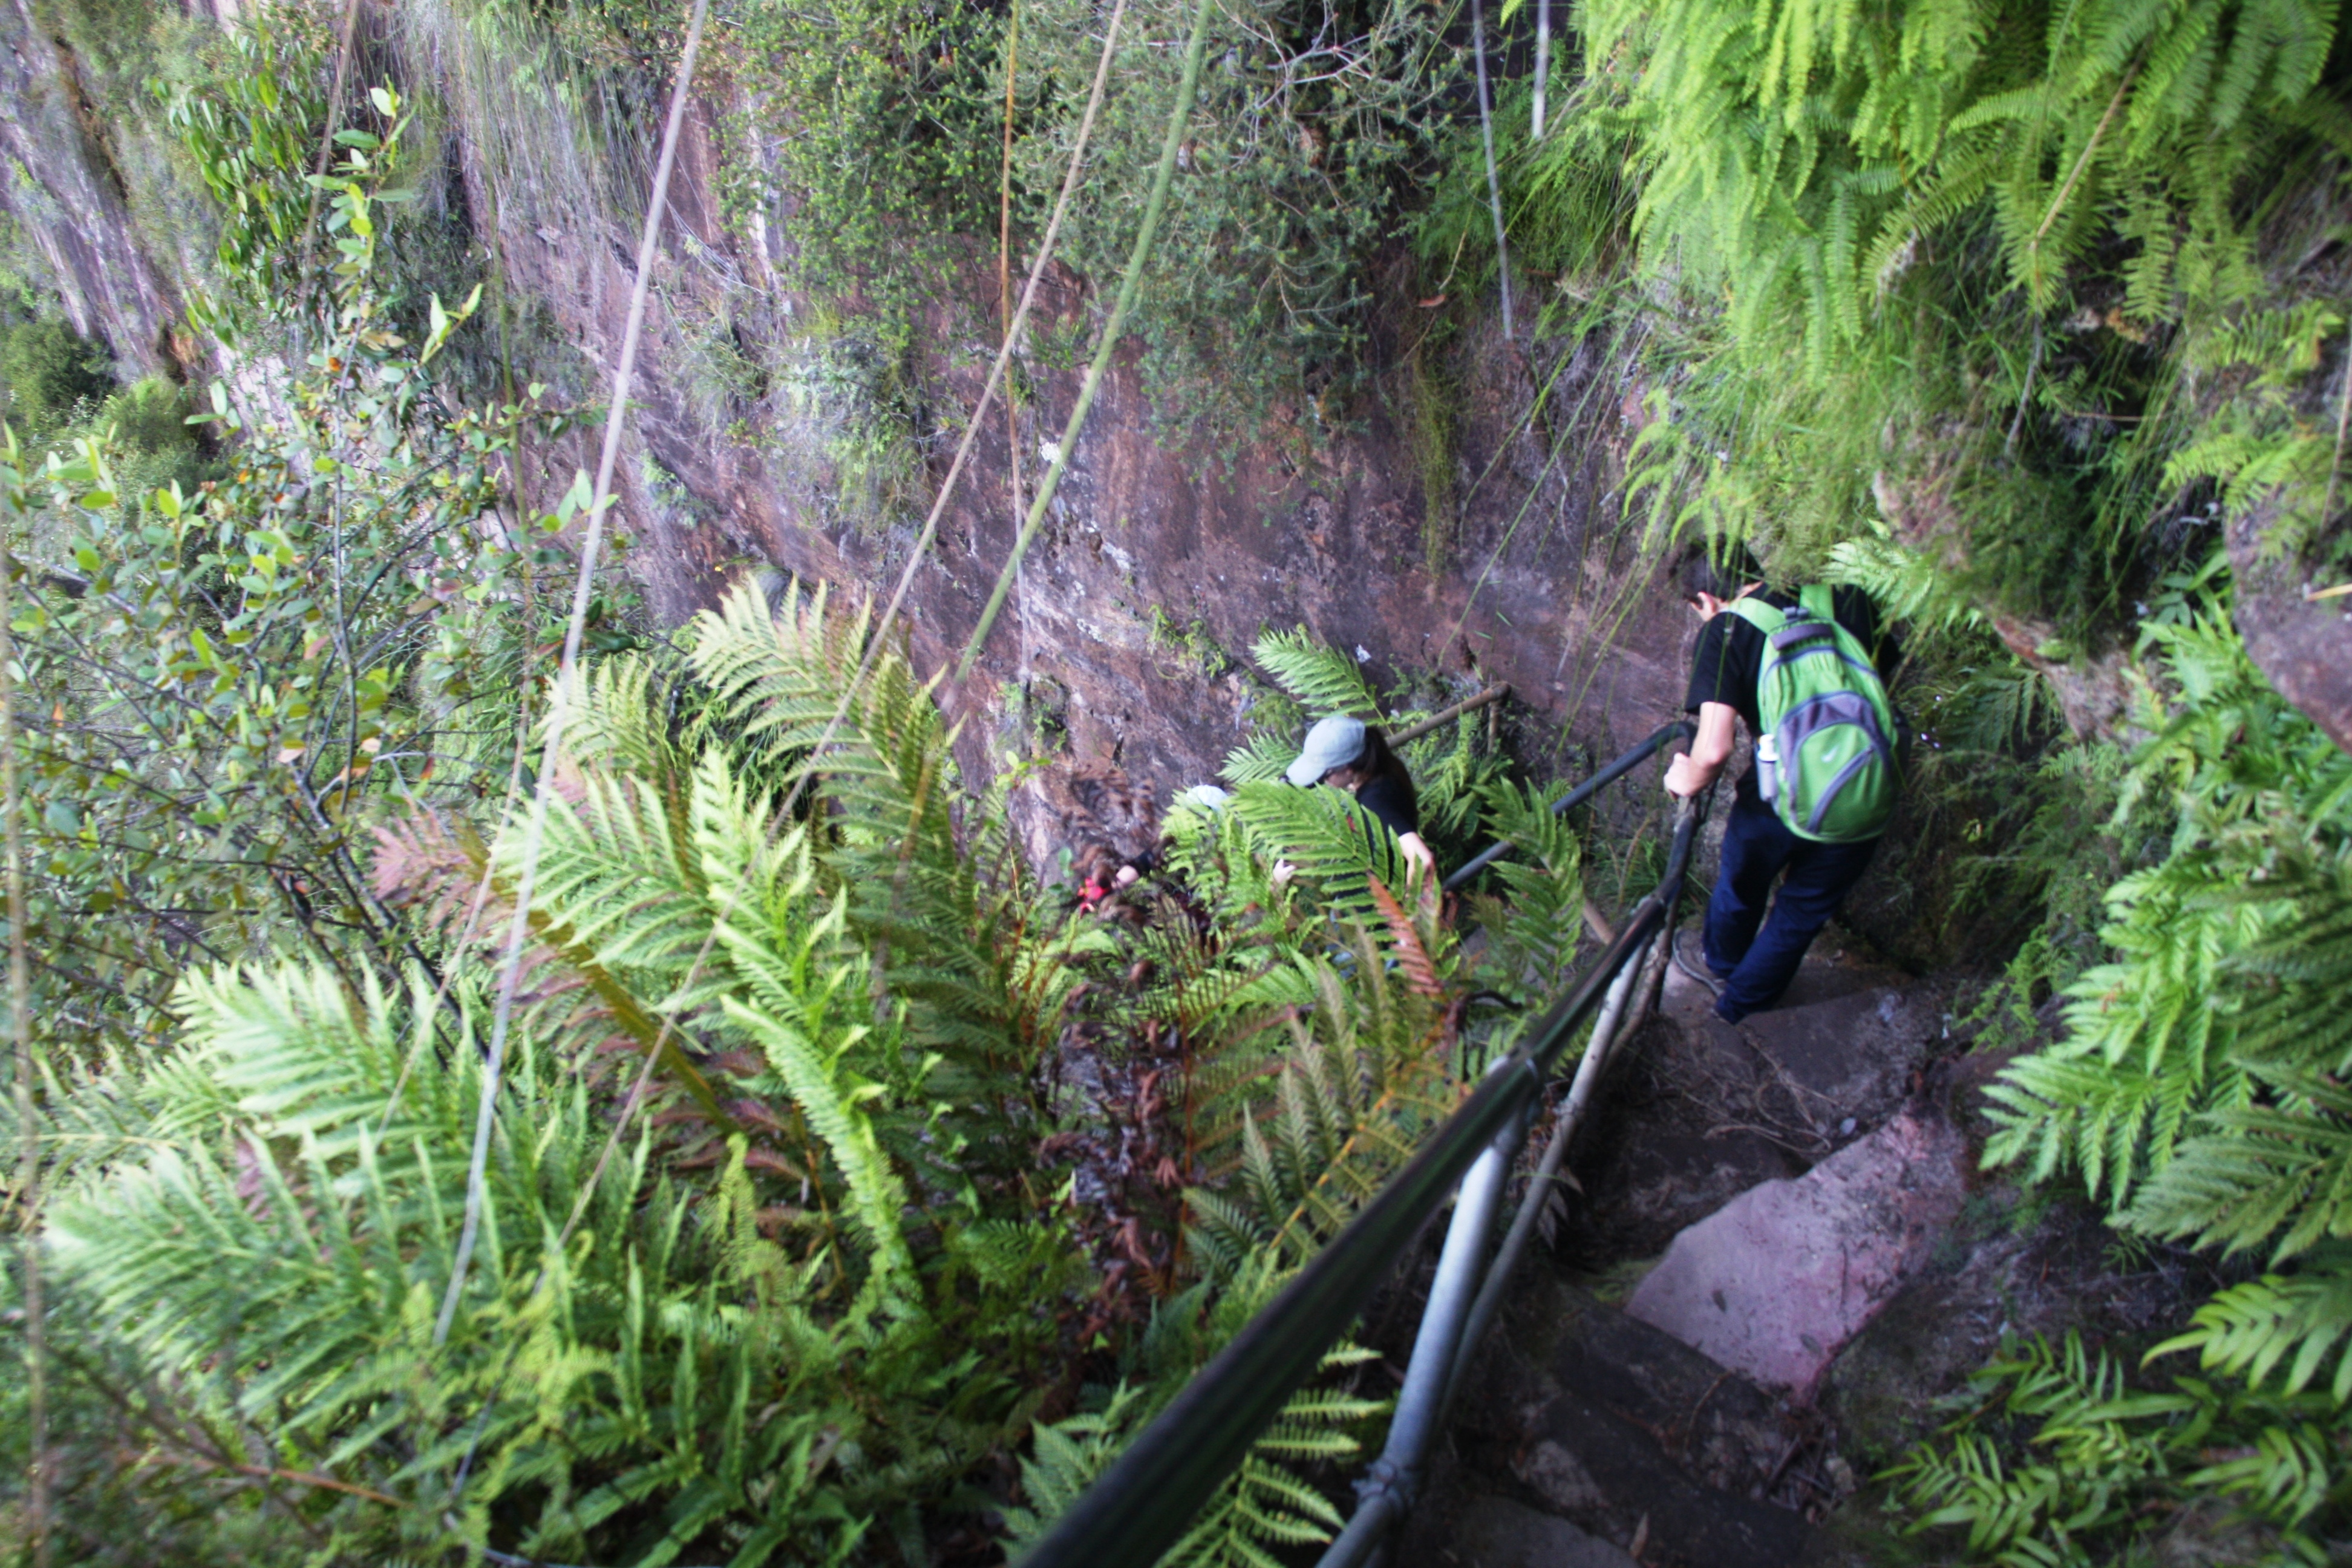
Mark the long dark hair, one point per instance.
(1722, 573)
(1379, 761)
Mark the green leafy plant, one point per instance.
(826, 1258)
(47, 369)
(2193, 1088)
(2154, 1038)
(2098, 1464)
(229, 679)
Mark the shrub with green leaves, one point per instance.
(227, 680)
(1309, 126)
(1313, 122)
(48, 371)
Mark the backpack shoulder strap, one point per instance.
(1759, 614)
(1818, 598)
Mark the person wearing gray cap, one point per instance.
(1348, 754)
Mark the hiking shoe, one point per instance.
(1689, 955)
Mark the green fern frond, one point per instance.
(1259, 759)
(1324, 681)
(2251, 1330)
(2277, 1174)
(1334, 843)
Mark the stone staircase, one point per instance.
(1750, 1198)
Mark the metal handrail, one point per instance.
(1680, 729)
(1140, 1507)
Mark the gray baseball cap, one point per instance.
(1334, 742)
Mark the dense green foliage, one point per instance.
(1309, 126)
(793, 1230)
(2017, 288)
(1998, 310)
(2191, 1088)
(2101, 1464)
(852, 1197)
(49, 370)
(229, 676)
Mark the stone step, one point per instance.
(1699, 1111)
(1775, 1282)
(1579, 1413)
(1788, 1181)
(1496, 1532)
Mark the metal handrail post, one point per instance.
(1597, 1051)
(1523, 1224)
(1388, 1486)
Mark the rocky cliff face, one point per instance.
(2302, 640)
(1159, 563)
(1154, 558)
(62, 184)
(1158, 566)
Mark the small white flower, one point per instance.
(1363, 654)
(1050, 450)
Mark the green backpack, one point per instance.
(1826, 759)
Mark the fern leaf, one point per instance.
(1324, 681)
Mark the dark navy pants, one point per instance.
(1756, 965)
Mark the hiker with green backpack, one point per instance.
(1808, 674)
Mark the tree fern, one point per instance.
(1908, 585)
(290, 1293)
(1335, 843)
(1534, 925)
(745, 1280)
(1324, 681)
(1303, 1115)
(1261, 1507)
(2277, 1174)
(2214, 993)
(2286, 1324)
(2104, 1460)
(1265, 1506)
(893, 840)
(2141, 1053)
(1259, 759)
(1064, 1459)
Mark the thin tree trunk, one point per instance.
(1543, 65)
(28, 1131)
(1005, 307)
(1494, 181)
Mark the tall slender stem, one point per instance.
(567, 680)
(1494, 180)
(2343, 421)
(334, 123)
(1130, 285)
(1004, 297)
(28, 1130)
(1543, 67)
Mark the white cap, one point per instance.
(1334, 742)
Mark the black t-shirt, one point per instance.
(1386, 799)
(1730, 653)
